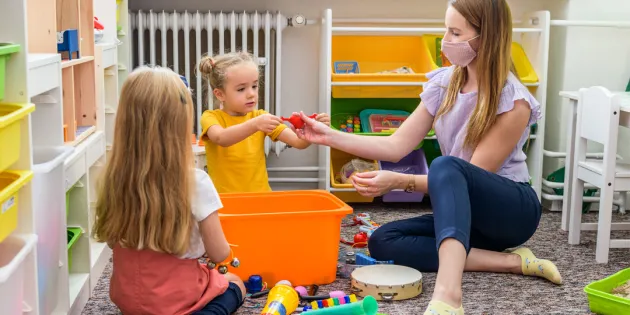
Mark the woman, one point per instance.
(482, 201)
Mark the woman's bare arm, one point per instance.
(501, 139)
(392, 148)
(493, 149)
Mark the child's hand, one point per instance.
(323, 118)
(266, 122)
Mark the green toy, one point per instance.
(367, 306)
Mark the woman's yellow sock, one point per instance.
(440, 308)
(533, 266)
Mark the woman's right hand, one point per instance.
(313, 130)
(266, 123)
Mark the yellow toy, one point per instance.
(282, 299)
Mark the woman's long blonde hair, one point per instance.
(144, 199)
(492, 19)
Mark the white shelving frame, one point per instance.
(37, 78)
(13, 30)
(533, 35)
(124, 51)
(82, 168)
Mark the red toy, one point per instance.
(297, 121)
(98, 25)
(360, 240)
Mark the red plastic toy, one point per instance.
(98, 25)
(297, 121)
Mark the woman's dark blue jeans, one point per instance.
(478, 208)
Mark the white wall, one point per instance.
(579, 56)
(587, 56)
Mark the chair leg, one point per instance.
(604, 224)
(575, 216)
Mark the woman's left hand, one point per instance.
(376, 183)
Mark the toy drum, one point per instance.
(387, 282)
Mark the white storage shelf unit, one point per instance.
(36, 275)
(533, 35)
(18, 265)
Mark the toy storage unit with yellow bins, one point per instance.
(18, 275)
(371, 79)
(52, 128)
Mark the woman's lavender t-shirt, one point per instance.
(450, 129)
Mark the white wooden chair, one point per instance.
(598, 121)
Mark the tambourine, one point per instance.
(387, 282)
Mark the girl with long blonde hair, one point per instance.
(482, 201)
(159, 213)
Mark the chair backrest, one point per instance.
(599, 116)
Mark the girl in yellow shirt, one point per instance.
(234, 134)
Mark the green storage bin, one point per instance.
(558, 177)
(73, 236)
(601, 301)
(6, 49)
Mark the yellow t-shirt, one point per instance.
(241, 167)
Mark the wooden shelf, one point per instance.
(69, 63)
(78, 15)
(79, 107)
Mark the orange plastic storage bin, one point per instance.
(284, 235)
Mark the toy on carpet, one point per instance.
(255, 284)
(350, 306)
(331, 301)
(367, 225)
(386, 282)
(282, 299)
(360, 240)
(223, 266)
(306, 297)
(366, 229)
(297, 121)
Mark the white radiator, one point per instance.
(179, 39)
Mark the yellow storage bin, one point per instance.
(376, 54)
(431, 42)
(10, 117)
(337, 161)
(523, 66)
(10, 184)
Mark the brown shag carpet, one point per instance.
(484, 293)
